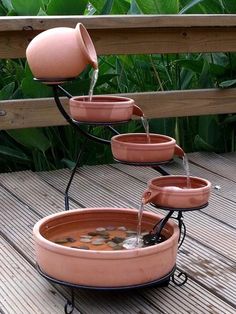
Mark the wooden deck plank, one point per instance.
(215, 163)
(22, 290)
(45, 198)
(231, 156)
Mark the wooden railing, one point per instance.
(127, 35)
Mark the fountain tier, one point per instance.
(104, 268)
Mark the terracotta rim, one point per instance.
(119, 139)
(102, 254)
(102, 100)
(152, 185)
(88, 47)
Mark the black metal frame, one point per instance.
(157, 229)
(160, 282)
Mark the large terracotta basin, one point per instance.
(95, 268)
(134, 147)
(103, 109)
(172, 191)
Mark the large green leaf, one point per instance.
(111, 6)
(203, 7)
(7, 4)
(7, 91)
(227, 84)
(26, 7)
(107, 7)
(13, 153)
(62, 7)
(158, 6)
(202, 145)
(205, 78)
(31, 138)
(33, 89)
(230, 6)
(134, 9)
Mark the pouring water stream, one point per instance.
(94, 79)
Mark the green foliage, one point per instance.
(62, 7)
(26, 7)
(158, 6)
(56, 147)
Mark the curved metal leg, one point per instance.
(73, 173)
(70, 304)
(178, 282)
(153, 237)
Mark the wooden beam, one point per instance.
(40, 23)
(129, 34)
(43, 112)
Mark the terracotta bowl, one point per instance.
(134, 147)
(95, 268)
(103, 109)
(171, 191)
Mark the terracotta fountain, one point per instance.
(67, 262)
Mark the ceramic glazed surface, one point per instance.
(103, 108)
(104, 268)
(171, 191)
(61, 52)
(133, 147)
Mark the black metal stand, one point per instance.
(87, 134)
(178, 279)
(160, 282)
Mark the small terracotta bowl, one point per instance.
(119, 268)
(134, 147)
(103, 109)
(172, 191)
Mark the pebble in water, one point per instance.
(64, 240)
(92, 233)
(69, 239)
(86, 236)
(99, 241)
(122, 228)
(81, 247)
(85, 240)
(131, 232)
(110, 228)
(61, 241)
(100, 229)
(118, 240)
(111, 244)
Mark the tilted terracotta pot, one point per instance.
(134, 147)
(104, 268)
(61, 53)
(171, 191)
(103, 108)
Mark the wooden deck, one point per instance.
(208, 254)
